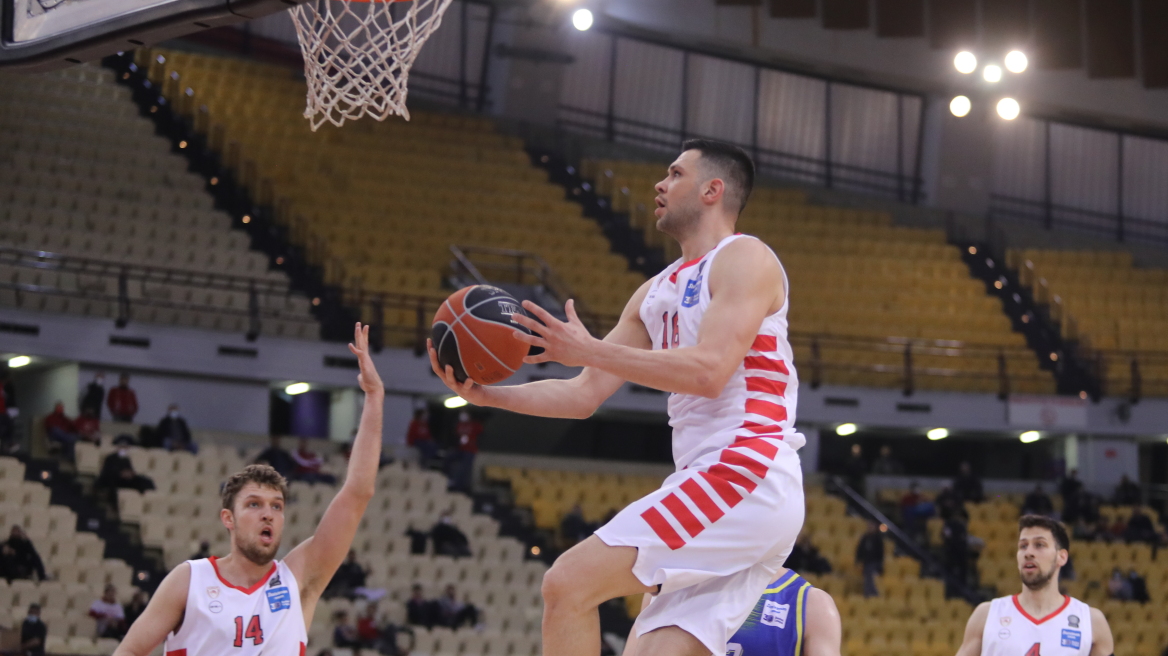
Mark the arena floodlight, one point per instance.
(296, 388)
(965, 62)
(1009, 109)
(454, 402)
(1029, 436)
(18, 361)
(845, 429)
(992, 73)
(582, 19)
(1016, 61)
(937, 434)
(960, 106)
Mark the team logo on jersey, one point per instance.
(275, 581)
(774, 614)
(279, 599)
(213, 592)
(1071, 638)
(1073, 621)
(1005, 620)
(733, 649)
(693, 288)
(215, 606)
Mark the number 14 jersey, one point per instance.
(1011, 631)
(222, 619)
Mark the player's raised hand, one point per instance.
(567, 342)
(467, 389)
(368, 379)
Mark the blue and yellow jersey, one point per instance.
(775, 626)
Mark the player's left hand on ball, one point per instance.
(368, 379)
(564, 342)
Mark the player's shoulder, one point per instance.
(746, 254)
(1097, 616)
(748, 245)
(980, 614)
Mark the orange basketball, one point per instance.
(474, 334)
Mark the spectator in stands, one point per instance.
(886, 465)
(117, 471)
(418, 437)
(137, 605)
(21, 560)
(109, 616)
(88, 427)
(349, 578)
(956, 548)
(419, 610)
(947, 503)
(1070, 489)
(1139, 587)
(59, 428)
(573, 528)
(454, 613)
(308, 465)
(1127, 493)
(33, 632)
(345, 634)
(174, 433)
(94, 395)
(448, 539)
(278, 458)
(967, 486)
(203, 552)
(806, 559)
(467, 430)
(1140, 528)
(915, 510)
(870, 556)
(1119, 586)
(855, 469)
(8, 412)
(1037, 502)
(122, 401)
(367, 630)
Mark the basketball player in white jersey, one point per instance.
(247, 603)
(712, 330)
(1040, 620)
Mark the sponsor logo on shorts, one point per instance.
(774, 614)
(215, 606)
(1073, 621)
(1071, 638)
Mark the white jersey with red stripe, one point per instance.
(1011, 631)
(760, 398)
(222, 619)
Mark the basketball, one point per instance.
(473, 332)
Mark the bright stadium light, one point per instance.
(960, 106)
(845, 429)
(296, 388)
(1009, 109)
(18, 361)
(1029, 436)
(582, 19)
(1016, 61)
(937, 434)
(965, 62)
(454, 402)
(992, 73)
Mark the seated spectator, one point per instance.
(419, 610)
(308, 466)
(61, 430)
(806, 559)
(1101, 532)
(117, 471)
(367, 629)
(1119, 586)
(203, 552)
(1140, 528)
(20, 557)
(277, 457)
(109, 616)
(136, 606)
(967, 486)
(349, 576)
(1139, 587)
(947, 503)
(573, 528)
(173, 432)
(1037, 503)
(88, 427)
(94, 395)
(1127, 493)
(1070, 489)
(344, 633)
(8, 413)
(448, 540)
(418, 437)
(121, 401)
(33, 632)
(915, 510)
(886, 465)
(453, 613)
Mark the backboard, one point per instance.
(46, 34)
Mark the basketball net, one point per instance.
(357, 55)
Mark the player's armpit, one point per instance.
(971, 644)
(1102, 642)
(162, 615)
(822, 632)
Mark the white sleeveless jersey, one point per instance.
(1011, 631)
(760, 398)
(224, 620)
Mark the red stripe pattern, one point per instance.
(765, 385)
(661, 527)
(763, 363)
(681, 512)
(702, 500)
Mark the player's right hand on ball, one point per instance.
(468, 389)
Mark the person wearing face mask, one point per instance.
(33, 632)
(122, 401)
(117, 471)
(173, 432)
(94, 395)
(466, 433)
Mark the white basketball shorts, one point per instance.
(713, 537)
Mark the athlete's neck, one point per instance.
(703, 241)
(1043, 601)
(240, 571)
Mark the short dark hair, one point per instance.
(732, 164)
(1041, 521)
(263, 475)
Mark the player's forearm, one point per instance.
(365, 457)
(693, 370)
(558, 399)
